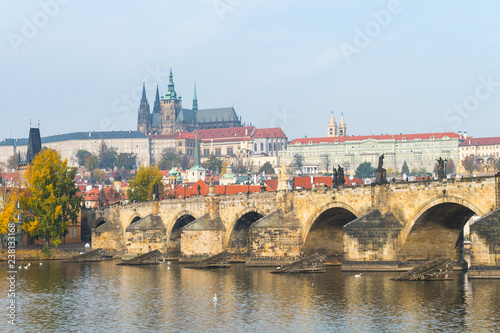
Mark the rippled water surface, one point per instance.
(97, 297)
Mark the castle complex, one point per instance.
(169, 117)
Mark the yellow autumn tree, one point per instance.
(52, 197)
(9, 210)
(141, 188)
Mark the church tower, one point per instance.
(333, 129)
(342, 126)
(195, 100)
(171, 106)
(143, 121)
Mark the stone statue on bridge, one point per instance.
(155, 193)
(380, 173)
(440, 168)
(338, 176)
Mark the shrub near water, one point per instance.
(46, 251)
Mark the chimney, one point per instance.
(465, 135)
(312, 180)
(246, 131)
(460, 134)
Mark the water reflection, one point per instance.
(105, 297)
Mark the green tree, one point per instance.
(169, 159)
(13, 161)
(141, 188)
(405, 169)
(99, 175)
(52, 201)
(239, 169)
(298, 162)
(213, 164)
(267, 168)
(126, 161)
(91, 162)
(108, 159)
(81, 155)
(470, 164)
(364, 170)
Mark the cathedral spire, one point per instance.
(171, 94)
(143, 114)
(195, 99)
(143, 99)
(157, 106)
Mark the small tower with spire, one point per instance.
(195, 99)
(143, 120)
(342, 126)
(171, 106)
(333, 129)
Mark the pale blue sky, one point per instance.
(280, 63)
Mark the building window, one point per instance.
(73, 232)
(206, 152)
(255, 147)
(230, 151)
(180, 143)
(270, 146)
(217, 152)
(261, 146)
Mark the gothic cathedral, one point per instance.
(169, 117)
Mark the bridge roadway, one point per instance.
(361, 227)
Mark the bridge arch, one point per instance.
(179, 221)
(436, 229)
(134, 219)
(237, 238)
(323, 232)
(99, 221)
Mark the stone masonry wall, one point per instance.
(275, 242)
(140, 242)
(201, 242)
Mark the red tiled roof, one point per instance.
(184, 135)
(225, 133)
(275, 132)
(272, 183)
(480, 141)
(398, 137)
(10, 176)
(192, 190)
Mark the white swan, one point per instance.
(215, 298)
(26, 267)
(357, 275)
(40, 264)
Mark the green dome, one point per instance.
(172, 172)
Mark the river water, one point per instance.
(101, 297)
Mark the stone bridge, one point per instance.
(362, 227)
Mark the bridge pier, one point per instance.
(202, 238)
(485, 241)
(275, 239)
(371, 243)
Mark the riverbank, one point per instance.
(38, 255)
